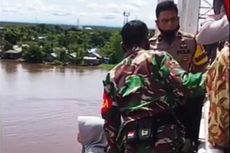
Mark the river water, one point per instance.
(40, 105)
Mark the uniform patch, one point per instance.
(107, 103)
(145, 132)
(183, 45)
(200, 56)
(131, 135)
(184, 51)
(185, 58)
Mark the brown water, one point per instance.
(40, 105)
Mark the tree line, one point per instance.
(38, 41)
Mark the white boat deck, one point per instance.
(203, 135)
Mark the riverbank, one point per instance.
(101, 66)
(107, 66)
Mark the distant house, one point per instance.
(91, 61)
(105, 60)
(17, 48)
(25, 45)
(73, 55)
(73, 58)
(88, 28)
(54, 55)
(51, 57)
(12, 54)
(94, 52)
(93, 57)
(42, 38)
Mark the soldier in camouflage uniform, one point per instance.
(190, 55)
(140, 94)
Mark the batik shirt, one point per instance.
(218, 93)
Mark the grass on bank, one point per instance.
(107, 66)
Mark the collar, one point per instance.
(178, 35)
(132, 51)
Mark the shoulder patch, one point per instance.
(107, 103)
(200, 57)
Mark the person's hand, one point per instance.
(112, 149)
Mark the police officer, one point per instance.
(191, 56)
(140, 94)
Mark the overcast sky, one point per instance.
(89, 12)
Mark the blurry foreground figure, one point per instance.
(91, 134)
(215, 30)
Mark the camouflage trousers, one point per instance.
(169, 139)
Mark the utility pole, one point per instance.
(126, 17)
(78, 23)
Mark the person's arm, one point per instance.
(181, 82)
(83, 149)
(214, 31)
(110, 113)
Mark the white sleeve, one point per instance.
(214, 31)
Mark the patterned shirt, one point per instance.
(146, 83)
(218, 93)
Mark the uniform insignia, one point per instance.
(131, 134)
(145, 132)
(185, 58)
(183, 45)
(107, 103)
(200, 56)
(184, 51)
(179, 35)
(160, 38)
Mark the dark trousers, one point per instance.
(190, 115)
(226, 150)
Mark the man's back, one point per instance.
(139, 82)
(140, 94)
(143, 79)
(148, 84)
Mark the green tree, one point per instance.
(7, 46)
(33, 54)
(113, 50)
(10, 36)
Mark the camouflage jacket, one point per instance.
(218, 93)
(146, 83)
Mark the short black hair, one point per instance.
(166, 6)
(217, 4)
(134, 32)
